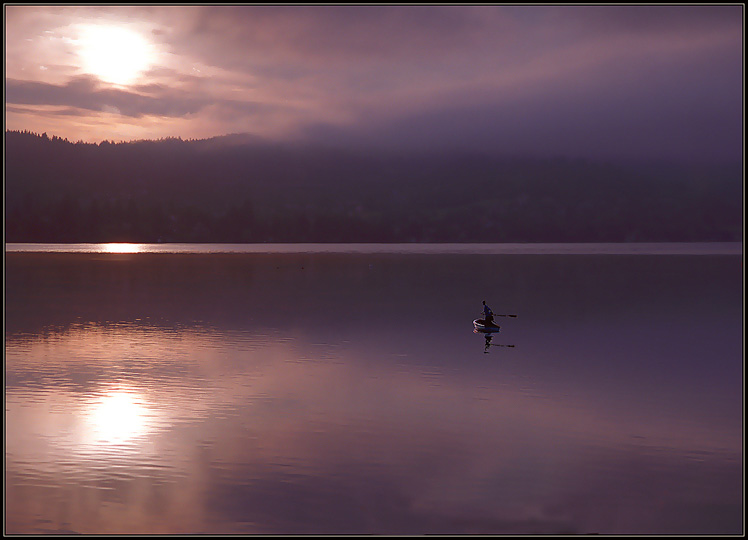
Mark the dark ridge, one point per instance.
(243, 189)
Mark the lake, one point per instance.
(313, 389)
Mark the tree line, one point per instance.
(234, 189)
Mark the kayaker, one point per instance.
(487, 313)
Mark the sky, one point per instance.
(579, 81)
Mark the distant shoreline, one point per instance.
(580, 248)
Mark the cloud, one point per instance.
(601, 101)
(245, 35)
(548, 79)
(87, 94)
(494, 75)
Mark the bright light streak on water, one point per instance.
(111, 248)
(684, 248)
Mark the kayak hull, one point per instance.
(481, 325)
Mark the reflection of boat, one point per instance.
(482, 326)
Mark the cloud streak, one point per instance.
(86, 94)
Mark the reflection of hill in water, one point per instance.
(332, 291)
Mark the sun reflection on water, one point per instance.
(118, 416)
(121, 248)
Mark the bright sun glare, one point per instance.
(114, 54)
(120, 248)
(118, 416)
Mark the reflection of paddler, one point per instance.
(489, 337)
(488, 342)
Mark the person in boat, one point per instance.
(487, 313)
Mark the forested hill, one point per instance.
(237, 189)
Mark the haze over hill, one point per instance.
(243, 189)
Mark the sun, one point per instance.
(114, 54)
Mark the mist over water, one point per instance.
(346, 392)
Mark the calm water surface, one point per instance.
(343, 390)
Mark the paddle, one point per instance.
(495, 315)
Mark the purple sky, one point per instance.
(631, 81)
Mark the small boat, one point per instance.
(483, 326)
